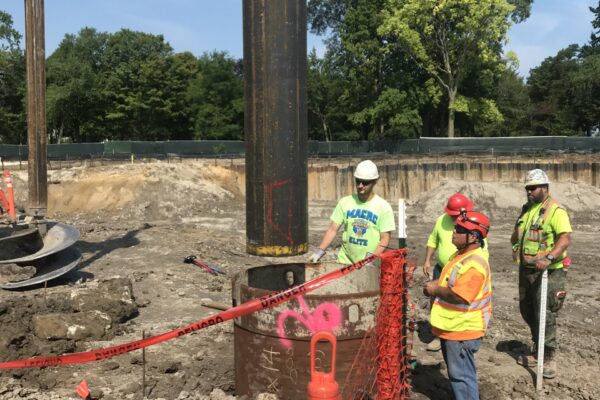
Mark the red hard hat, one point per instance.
(458, 203)
(474, 221)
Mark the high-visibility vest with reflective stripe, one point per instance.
(464, 317)
(534, 241)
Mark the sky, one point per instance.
(201, 26)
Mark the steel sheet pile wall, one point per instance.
(408, 178)
(275, 127)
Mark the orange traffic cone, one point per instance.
(10, 194)
(82, 390)
(3, 202)
(322, 385)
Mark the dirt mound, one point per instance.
(502, 201)
(149, 191)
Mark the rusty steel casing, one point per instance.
(275, 127)
(36, 108)
(272, 346)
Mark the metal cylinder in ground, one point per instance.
(272, 357)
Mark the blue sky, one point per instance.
(205, 25)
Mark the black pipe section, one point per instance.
(36, 108)
(275, 126)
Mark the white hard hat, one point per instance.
(536, 177)
(366, 170)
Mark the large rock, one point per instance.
(113, 297)
(79, 326)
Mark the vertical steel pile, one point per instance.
(36, 108)
(275, 127)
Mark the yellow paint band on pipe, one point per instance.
(276, 251)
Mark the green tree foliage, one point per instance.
(448, 38)
(75, 104)
(375, 90)
(217, 96)
(326, 115)
(13, 127)
(595, 37)
(132, 86)
(512, 99)
(565, 89)
(140, 88)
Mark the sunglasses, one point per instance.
(460, 229)
(533, 188)
(361, 182)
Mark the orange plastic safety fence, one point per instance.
(381, 368)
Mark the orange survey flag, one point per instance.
(82, 390)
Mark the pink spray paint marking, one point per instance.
(326, 317)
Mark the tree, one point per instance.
(75, 104)
(13, 128)
(378, 91)
(512, 99)
(446, 38)
(326, 116)
(584, 95)
(549, 85)
(217, 96)
(595, 37)
(144, 85)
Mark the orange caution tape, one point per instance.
(261, 303)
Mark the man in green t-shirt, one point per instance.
(540, 239)
(367, 220)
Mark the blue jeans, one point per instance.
(437, 271)
(460, 359)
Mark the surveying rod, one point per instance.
(401, 224)
(542, 331)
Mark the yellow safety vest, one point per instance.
(536, 240)
(464, 317)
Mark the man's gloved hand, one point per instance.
(317, 255)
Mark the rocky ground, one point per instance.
(139, 221)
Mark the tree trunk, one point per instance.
(60, 132)
(451, 99)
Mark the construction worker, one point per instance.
(440, 239)
(540, 239)
(367, 220)
(462, 304)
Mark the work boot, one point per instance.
(549, 369)
(549, 364)
(434, 345)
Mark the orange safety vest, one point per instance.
(464, 317)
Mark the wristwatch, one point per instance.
(550, 257)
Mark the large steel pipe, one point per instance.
(275, 127)
(272, 346)
(36, 108)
